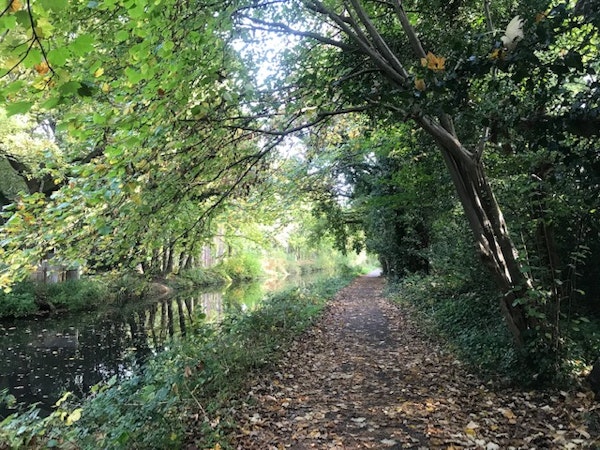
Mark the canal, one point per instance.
(44, 357)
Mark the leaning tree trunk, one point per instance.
(465, 166)
(486, 221)
(493, 241)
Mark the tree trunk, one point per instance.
(169, 263)
(494, 244)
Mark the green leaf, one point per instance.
(51, 102)
(54, 5)
(18, 108)
(7, 22)
(121, 36)
(13, 87)
(113, 152)
(133, 75)
(58, 56)
(82, 45)
(69, 87)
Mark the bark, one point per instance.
(46, 184)
(169, 259)
(483, 213)
(494, 243)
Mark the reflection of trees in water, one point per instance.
(212, 305)
(41, 359)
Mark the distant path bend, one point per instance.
(365, 377)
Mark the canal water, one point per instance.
(42, 358)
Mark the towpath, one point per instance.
(366, 377)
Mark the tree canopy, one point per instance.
(163, 116)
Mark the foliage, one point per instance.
(198, 277)
(166, 125)
(28, 298)
(243, 267)
(195, 380)
(17, 304)
(27, 429)
(74, 295)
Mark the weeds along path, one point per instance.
(366, 377)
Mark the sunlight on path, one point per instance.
(374, 273)
(367, 378)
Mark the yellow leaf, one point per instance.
(217, 447)
(539, 17)
(420, 84)
(470, 429)
(99, 72)
(74, 417)
(43, 28)
(433, 62)
(106, 88)
(61, 400)
(496, 54)
(508, 413)
(15, 5)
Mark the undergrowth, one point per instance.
(468, 318)
(28, 297)
(183, 395)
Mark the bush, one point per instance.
(77, 295)
(17, 304)
(198, 277)
(29, 297)
(244, 267)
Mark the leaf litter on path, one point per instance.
(366, 377)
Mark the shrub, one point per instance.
(244, 267)
(17, 304)
(198, 277)
(76, 295)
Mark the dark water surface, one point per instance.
(42, 358)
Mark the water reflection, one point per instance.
(40, 359)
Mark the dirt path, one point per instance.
(366, 377)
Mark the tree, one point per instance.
(402, 61)
(140, 93)
(164, 124)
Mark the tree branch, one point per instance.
(378, 40)
(321, 116)
(414, 40)
(353, 31)
(283, 28)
